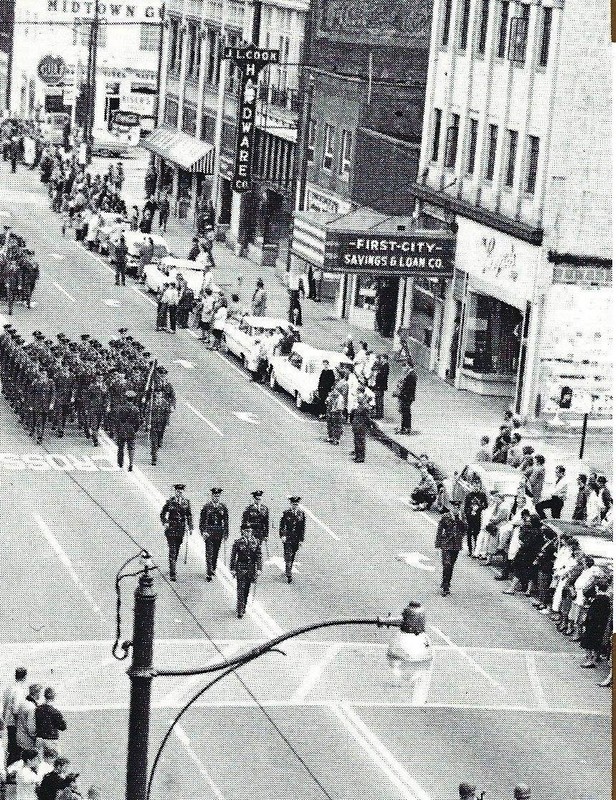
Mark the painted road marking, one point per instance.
(315, 673)
(533, 677)
(247, 416)
(145, 297)
(61, 462)
(278, 561)
(181, 734)
(109, 301)
(64, 292)
(416, 560)
(478, 668)
(421, 685)
(185, 364)
(57, 256)
(66, 562)
(320, 523)
(204, 419)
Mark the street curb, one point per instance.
(387, 439)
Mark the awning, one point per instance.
(189, 153)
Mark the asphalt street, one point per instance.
(505, 701)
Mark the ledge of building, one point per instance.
(569, 259)
(478, 214)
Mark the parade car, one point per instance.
(242, 337)
(134, 241)
(112, 222)
(491, 476)
(167, 269)
(595, 540)
(298, 374)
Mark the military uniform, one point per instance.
(127, 425)
(245, 565)
(40, 400)
(214, 527)
(256, 517)
(292, 530)
(159, 419)
(64, 396)
(449, 537)
(96, 403)
(176, 516)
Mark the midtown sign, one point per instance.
(52, 69)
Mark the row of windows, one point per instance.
(451, 152)
(329, 143)
(512, 35)
(149, 35)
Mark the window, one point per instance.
(232, 73)
(451, 143)
(328, 147)
(483, 26)
(492, 141)
(546, 29)
(208, 128)
(502, 30)
(464, 20)
(173, 44)
(344, 166)
(533, 160)
(85, 32)
(518, 36)
(436, 136)
(189, 120)
(191, 48)
(171, 112)
(446, 23)
(312, 137)
(150, 37)
(212, 60)
(513, 150)
(472, 146)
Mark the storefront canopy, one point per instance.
(181, 149)
(367, 242)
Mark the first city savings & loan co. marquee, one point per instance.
(405, 255)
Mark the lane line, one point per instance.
(177, 696)
(66, 562)
(181, 734)
(380, 755)
(314, 675)
(476, 666)
(321, 524)
(64, 292)
(204, 419)
(145, 297)
(533, 677)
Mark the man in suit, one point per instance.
(449, 537)
(405, 392)
(292, 530)
(327, 379)
(214, 527)
(381, 380)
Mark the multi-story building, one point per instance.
(128, 46)
(193, 103)
(7, 11)
(515, 153)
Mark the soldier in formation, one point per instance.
(214, 527)
(246, 564)
(118, 388)
(19, 270)
(256, 517)
(176, 516)
(292, 530)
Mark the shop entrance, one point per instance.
(494, 333)
(385, 305)
(226, 196)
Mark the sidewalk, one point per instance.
(447, 423)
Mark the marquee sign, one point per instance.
(52, 69)
(406, 255)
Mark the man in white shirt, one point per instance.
(170, 300)
(26, 776)
(353, 385)
(557, 499)
(25, 718)
(13, 697)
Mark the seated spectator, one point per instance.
(501, 446)
(593, 628)
(528, 461)
(484, 453)
(433, 469)
(423, 496)
(24, 773)
(53, 781)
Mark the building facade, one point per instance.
(199, 101)
(366, 84)
(515, 155)
(128, 46)
(7, 11)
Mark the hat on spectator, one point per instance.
(257, 493)
(294, 498)
(179, 485)
(217, 491)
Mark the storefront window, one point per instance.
(426, 291)
(365, 292)
(493, 332)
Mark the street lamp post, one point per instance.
(407, 647)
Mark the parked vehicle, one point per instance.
(492, 476)
(134, 240)
(167, 269)
(242, 337)
(298, 374)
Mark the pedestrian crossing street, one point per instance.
(88, 678)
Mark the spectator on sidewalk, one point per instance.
(71, 788)
(170, 301)
(335, 407)
(145, 226)
(528, 461)
(218, 322)
(583, 584)
(146, 256)
(161, 308)
(119, 257)
(536, 478)
(24, 773)
(556, 501)
(424, 494)
(163, 212)
(352, 392)
(544, 564)
(185, 305)
(522, 562)
(381, 384)
(579, 512)
(501, 445)
(593, 628)
(606, 496)
(259, 300)
(514, 451)
(360, 424)
(13, 697)
(405, 392)
(194, 250)
(327, 379)
(296, 291)
(360, 356)
(55, 780)
(26, 718)
(348, 349)
(475, 503)
(484, 453)
(207, 312)
(49, 720)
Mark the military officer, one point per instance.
(159, 419)
(449, 537)
(292, 530)
(127, 424)
(176, 516)
(96, 404)
(41, 399)
(64, 397)
(256, 516)
(214, 527)
(245, 566)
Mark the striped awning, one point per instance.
(189, 153)
(308, 240)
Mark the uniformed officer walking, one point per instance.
(292, 530)
(256, 516)
(126, 426)
(449, 537)
(159, 419)
(246, 564)
(176, 516)
(214, 527)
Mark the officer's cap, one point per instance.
(72, 345)
(122, 330)
(257, 493)
(85, 336)
(455, 503)
(37, 334)
(129, 338)
(146, 354)
(294, 498)
(130, 394)
(161, 370)
(138, 345)
(179, 486)
(47, 341)
(8, 326)
(216, 491)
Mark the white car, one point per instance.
(242, 338)
(112, 223)
(157, 274)
(298, 374)
(134, 241)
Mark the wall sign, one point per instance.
(51, 70)
(249, 60)
(407, 255)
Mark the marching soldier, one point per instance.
(159, 419)
(214, 527)
(449, 537)
(176, 516)
(256, 516)
(127, 425)
(64, 397)
(96, 403)
(41, 397)
(292, 530)
(245, 566)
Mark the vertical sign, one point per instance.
(249, 60)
